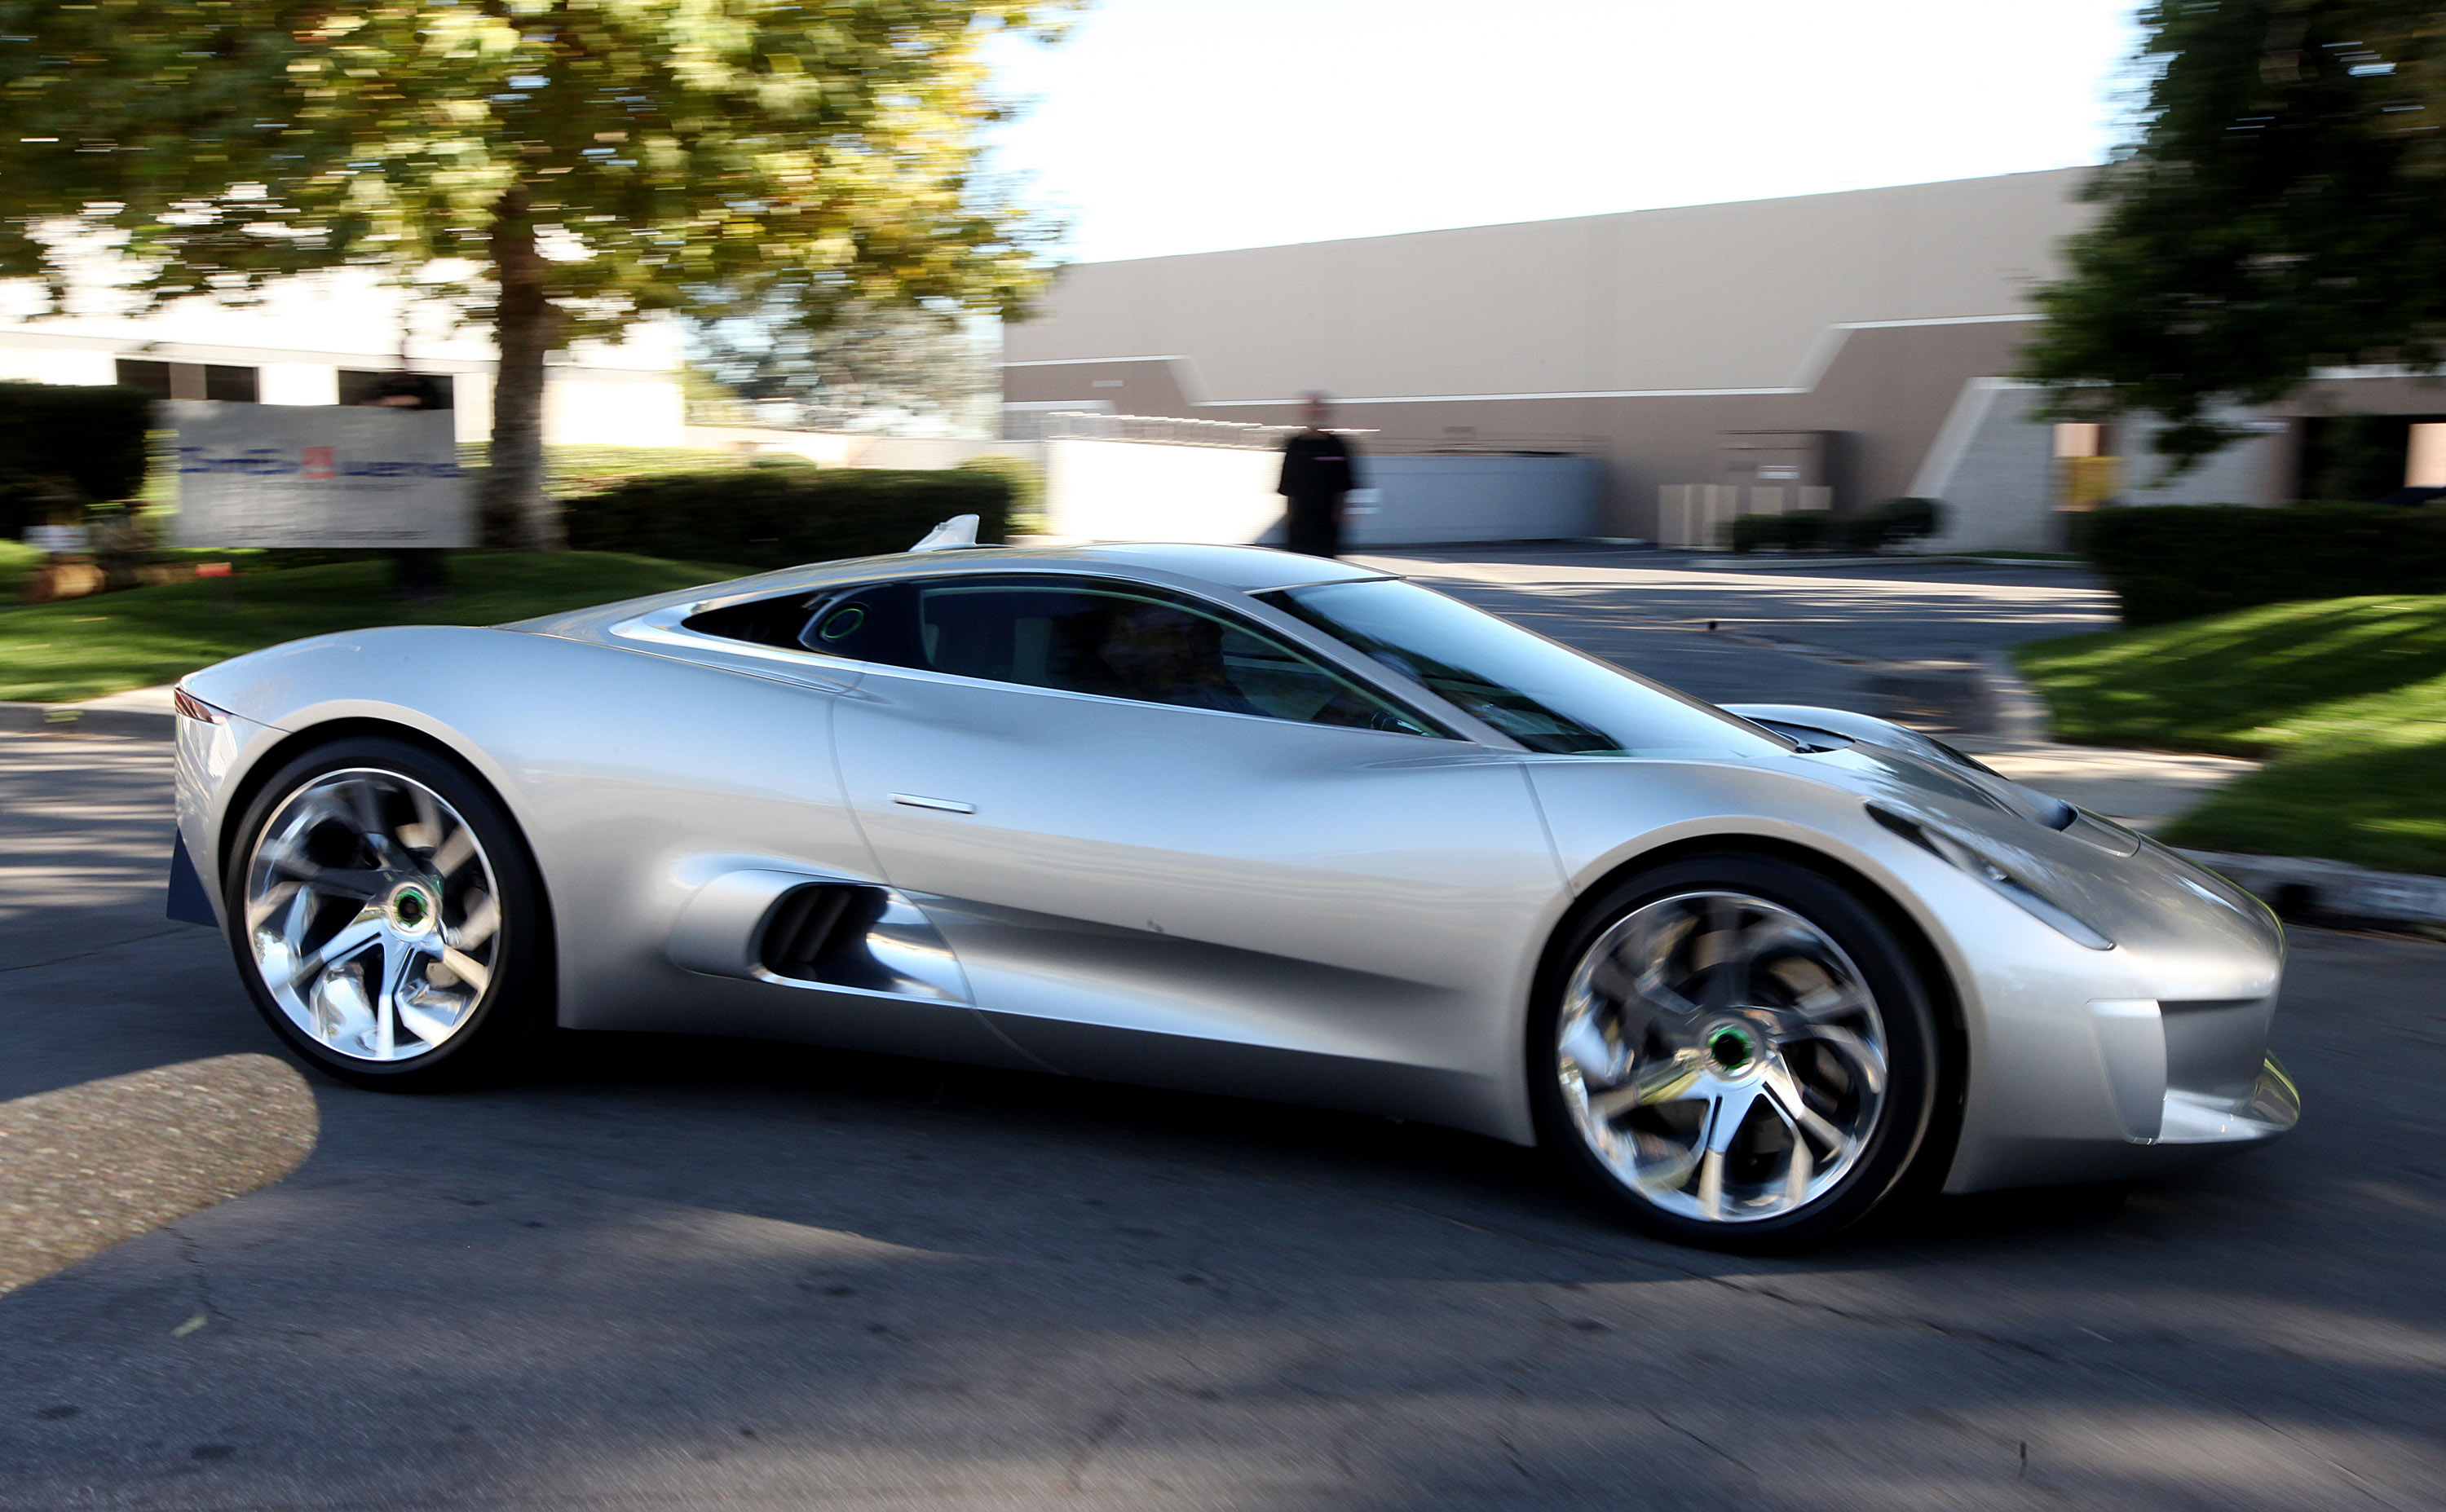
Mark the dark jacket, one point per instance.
(1318, 467)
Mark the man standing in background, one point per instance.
(1319, 470)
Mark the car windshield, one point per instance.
(1544, 694)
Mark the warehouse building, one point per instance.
(1825, 350)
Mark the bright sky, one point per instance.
(1188, 125)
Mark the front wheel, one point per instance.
(1734, 1051)
(386, 917)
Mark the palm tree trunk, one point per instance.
(526, 328)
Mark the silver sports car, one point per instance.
(1230, 819)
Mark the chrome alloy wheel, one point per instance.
(1722, 1057)
(372, 914)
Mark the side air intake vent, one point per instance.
(819, 933)
(792, 930)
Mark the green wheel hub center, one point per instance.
(1733, 1048)
(411, 908)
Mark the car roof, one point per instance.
(1235, 569)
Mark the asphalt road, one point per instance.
(682, 1273)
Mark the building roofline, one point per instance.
(1805, 379)
(1601, 216)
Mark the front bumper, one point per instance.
(2271, 1107)
(2134, 1061)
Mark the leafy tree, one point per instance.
(559, 167)
(2284, 210)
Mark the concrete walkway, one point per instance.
(141, 700)
(2143, 789)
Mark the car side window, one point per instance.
(760, 622)
(1125, 645)
(863, 623)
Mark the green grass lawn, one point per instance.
(17, 561)
(81, 648)
(2346, 696)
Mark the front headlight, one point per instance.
(1964, 856)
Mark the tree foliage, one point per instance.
(864, 365)
(2284, 210)
(559, 167)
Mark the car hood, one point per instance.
(2121, 881)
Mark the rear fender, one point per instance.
(621, 769)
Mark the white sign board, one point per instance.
(296, 474)
(59, 537)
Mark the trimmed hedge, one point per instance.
(64, 443)
(779, 516)
(1897, 519)
(1027, 481)
(2179, 561)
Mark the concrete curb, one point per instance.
(2307, 888)
(90, 1167)
(2020, 713)
(1770, 561)
(71, 719)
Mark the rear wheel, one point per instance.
(386, 917)
(1736, 1051)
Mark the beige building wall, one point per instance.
(1738, 296)
(1885, 391)
(1642, 338)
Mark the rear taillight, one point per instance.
(192, 707)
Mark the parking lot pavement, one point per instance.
(697, 1273)
(1900, 639)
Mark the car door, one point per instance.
(1167, 845)
(707, 845)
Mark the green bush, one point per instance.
(63, 445)
(1803, 531)
(1868, 532)
(1026, 481)
(1914, 519)
(1759, 533)
(1808, 530)
(2171, 561)
(1899, 519)
(767, 517)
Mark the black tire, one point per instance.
(1910, 1134)
(517, 999)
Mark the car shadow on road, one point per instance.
(1466, 1177)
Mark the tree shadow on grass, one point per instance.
(2383, 808)
(2207, 684)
